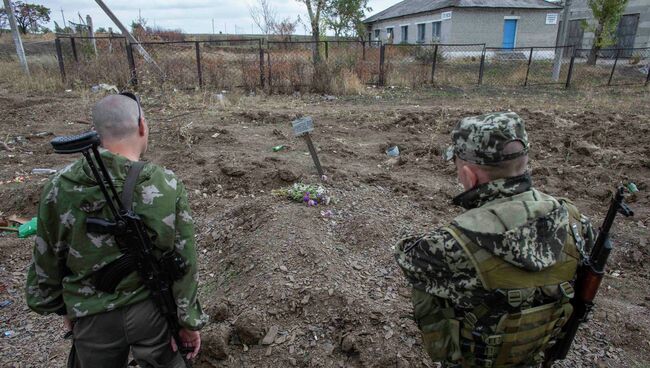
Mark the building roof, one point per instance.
(408, 7)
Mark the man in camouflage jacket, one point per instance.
(531, 241)
(66, 257)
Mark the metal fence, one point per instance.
(285, 67)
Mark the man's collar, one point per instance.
(487, 192)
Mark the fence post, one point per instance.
(327, 52)
(363, 44)
(570, 74)
(647, 78)
(433, 64)
(611, 75)
(530, 61)
(261, 66)
(382, 56)
(74, 49)
(481, 68)
(268, 58)
(129, 56)
(59, 57)
(199, 70)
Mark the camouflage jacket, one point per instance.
(436, 265)
(66, 257)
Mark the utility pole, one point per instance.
(564, 35)
(128, 35)
(14, 31)
(64, 22)
(213, 26)
(91, 32)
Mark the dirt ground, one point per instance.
(328, 286)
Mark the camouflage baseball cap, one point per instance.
(481, 139)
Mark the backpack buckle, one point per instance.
(567, 290)
(515, 298)
(470, 319)
(494, 340)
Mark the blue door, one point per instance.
(509, 33)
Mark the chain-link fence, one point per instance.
(93, 60)
(526, 66)
(611, 67)
(325, 66)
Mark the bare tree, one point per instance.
(285, 28)
(263, 15)
(314, 9)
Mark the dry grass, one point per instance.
(41, 78)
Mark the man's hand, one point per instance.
(190, 340)
(67, 324)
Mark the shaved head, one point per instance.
(115, 118)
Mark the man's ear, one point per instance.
(468, 177)
(142, 128)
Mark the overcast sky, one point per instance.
(192, 16)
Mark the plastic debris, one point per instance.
(104, 87)
(9, 334)
(279, 148)
(43, 171)
(327, 214)
(28, 229)
(632, 187)
(5, 303)
(393, 151)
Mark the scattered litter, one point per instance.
(68, 90)
(632, 187)
(327, 214)
(43, 171)
(310, 194)
(393, 151)
(279, 148)
(215, 135)
(19, 179)
(27, 229)
(9, 334)
(104, 87)
(5, 303)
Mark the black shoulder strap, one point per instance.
(129, 184)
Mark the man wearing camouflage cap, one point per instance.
(492, 289)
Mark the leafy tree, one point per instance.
(101, 30)
(345, 17)
(29, 17)
(607, 14)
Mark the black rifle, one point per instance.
(129, 232)
(590, 274)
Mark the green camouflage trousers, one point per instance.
(104, 340)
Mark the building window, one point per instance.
(436, 30)
(377, 34)
(405, 34)
(389, 34)
(421, 28)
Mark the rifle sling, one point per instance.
(109, 277)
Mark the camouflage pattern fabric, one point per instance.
(481, 139)
(443, 275)
(65, 257)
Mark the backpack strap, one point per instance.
(129, 184)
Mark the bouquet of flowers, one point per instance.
(310, 194)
